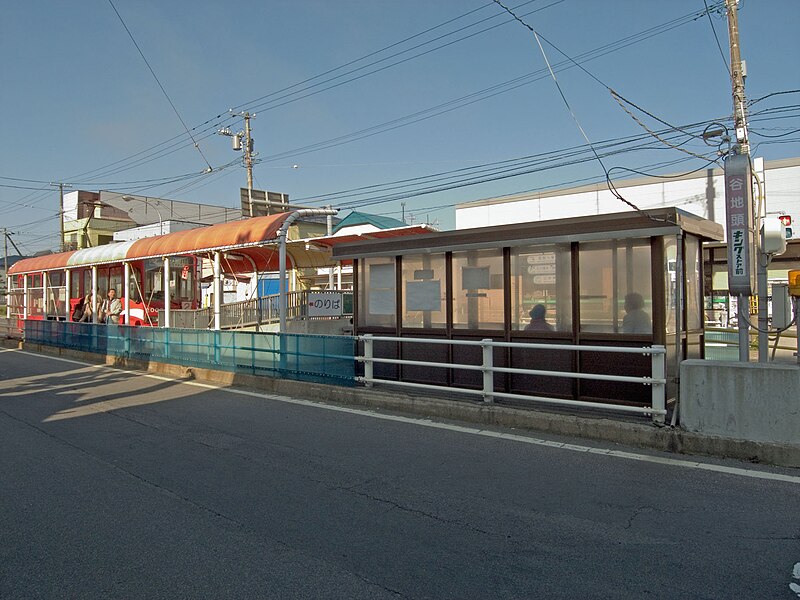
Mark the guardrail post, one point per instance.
(659, 390)
(488, 369)
(368, 365)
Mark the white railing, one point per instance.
(657, 379)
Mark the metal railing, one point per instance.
(657, 379)
(256, 311)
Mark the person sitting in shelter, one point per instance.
(86, 315)
(538, 322)
(77, 311)
(112, 307)
(636, 320)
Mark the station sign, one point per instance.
(324, 304)
(739, 224)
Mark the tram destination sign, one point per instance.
(739, 224)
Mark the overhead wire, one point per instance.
(153, 73)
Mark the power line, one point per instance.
(171, 103)
(714, 31)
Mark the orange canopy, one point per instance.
(245, 237)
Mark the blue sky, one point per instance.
(78, 97)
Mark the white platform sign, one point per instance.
(324, 304)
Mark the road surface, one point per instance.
(127, 485)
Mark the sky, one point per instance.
(394, 108)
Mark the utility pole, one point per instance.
(61, 186)
(741, 221)
(247, 150)
(737, 79)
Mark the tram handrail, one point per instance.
(657, 379)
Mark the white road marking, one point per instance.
(796, 575)
(423, 422)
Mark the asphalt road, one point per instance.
(124, 485)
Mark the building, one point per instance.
(701, 193)
(93, 218)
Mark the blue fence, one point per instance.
(315, 358)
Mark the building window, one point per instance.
(478, 289)
(541, 288)
(616, 287)
(376, 286)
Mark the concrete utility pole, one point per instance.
(737, 79)
(61, 187)
(741, 221)
(247, 149)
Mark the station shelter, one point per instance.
(625, 279)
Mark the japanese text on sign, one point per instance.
(324, 304)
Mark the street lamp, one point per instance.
(147, 203)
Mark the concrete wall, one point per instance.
(747, 401)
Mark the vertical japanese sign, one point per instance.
(739, 224)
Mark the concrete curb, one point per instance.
(590, 427)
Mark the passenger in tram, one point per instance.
(538, 322)
(636, 320)
(86, 316)
(111, 309)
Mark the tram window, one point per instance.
(75, 284)
(541, 275)
(154, 279)
(135, 286)
(478, 289)
(424, 291)
(102, 283)
(55, 278)
(87, 282)
(115, 280)
(377, 292)
(36, 281)
(615, 287)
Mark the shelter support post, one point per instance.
(217, 293)
(167, 300)
(94, 295)
(45, 277)
(126, 292)
(67, 288)
(24, 297)
(8, 297)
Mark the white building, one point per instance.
(701, 193)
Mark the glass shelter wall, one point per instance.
(376, 284)
(541, 288)
(424, 290)
(478, 291)
(616, 287)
